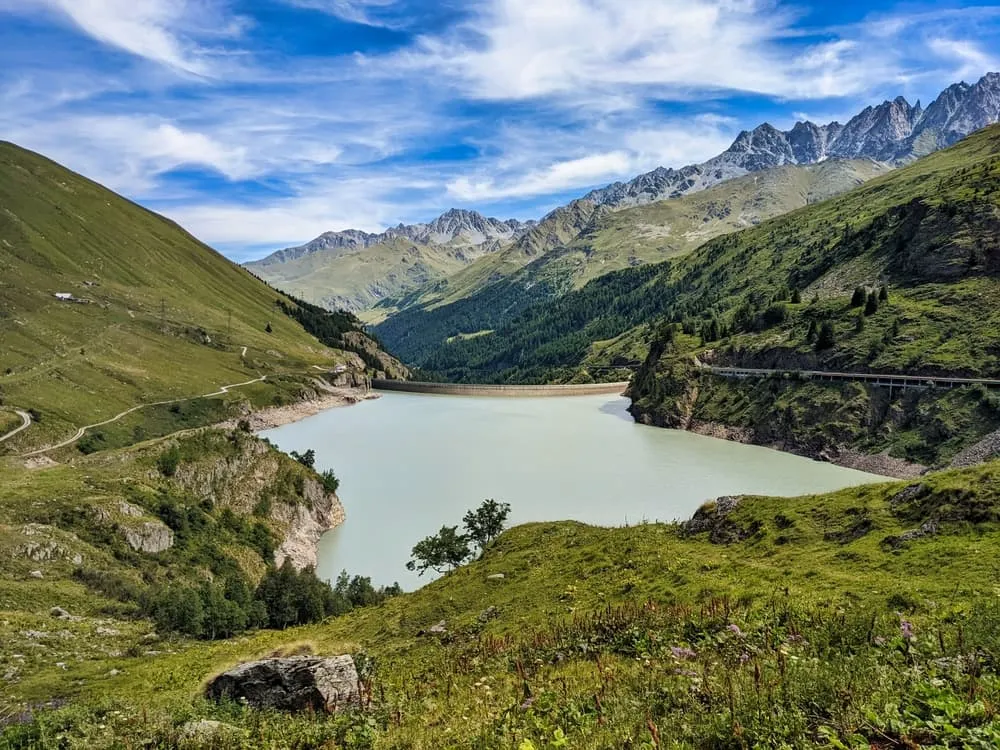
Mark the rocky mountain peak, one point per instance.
(894, 131)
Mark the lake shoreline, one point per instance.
(880, 464)
(271, 417)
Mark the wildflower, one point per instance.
(744, 657)
(734, 628)
(906, 629)
(879, 640)
(682, 652)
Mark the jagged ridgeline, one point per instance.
(927, 231)
(105, 305)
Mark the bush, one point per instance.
(168, 461)
(307, 459)
(827, 337)
(330, 481)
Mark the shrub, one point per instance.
(168, 461)
(330, 481)
(827, 336)
(307, 459)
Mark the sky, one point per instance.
(259, 124)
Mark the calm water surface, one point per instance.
(409, 463)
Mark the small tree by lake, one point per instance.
(441, 552)
(448, 549)
(486, 522)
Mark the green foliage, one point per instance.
(827, 336)
(329, 481)
(307, 459)
(859, 297)
(871, 306)
(168, 461)
(441, 552)
(486, 522)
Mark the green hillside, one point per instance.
(360, 279)
(155, 313)
(863, 618)
(579, 243)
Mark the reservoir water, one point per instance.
(409, 463)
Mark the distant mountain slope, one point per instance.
(605, 241)
(150, 312)
(354, 270)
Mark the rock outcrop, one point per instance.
(151, 537)
(298, 683)
(306, 523)
(301, 514)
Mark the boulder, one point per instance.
(297, 683)
(151, 537)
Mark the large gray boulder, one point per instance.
(297, 683)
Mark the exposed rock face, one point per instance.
(151, 537)
(298, 683)
(306, 524)
(391, 367)
(240, 481)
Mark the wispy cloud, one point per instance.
(163, 31)
(364, 12)
(260, 129)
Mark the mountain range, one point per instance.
(461, 252)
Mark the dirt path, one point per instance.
(83, 430)
(26, 423)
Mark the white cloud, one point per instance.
(972, 60)
(365, 12)
(559, 176)
(606, 151)
(519, 49)
(163, 31)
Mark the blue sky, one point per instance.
(259, 124)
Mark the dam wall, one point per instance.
(469, 389)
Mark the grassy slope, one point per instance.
(570, 249)
(818, 587)
(78, 364)
(359, 280)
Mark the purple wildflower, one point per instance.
(682, 652)
(906, 628)
(734, 628)
(744, 657)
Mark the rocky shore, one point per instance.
(277, 416)
(879, 463)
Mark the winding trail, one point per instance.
(26, 423)
(83, 430)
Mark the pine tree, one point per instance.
(796, 297)
(827, 336)
(871, 306)
(858, 298)
(883, 294)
